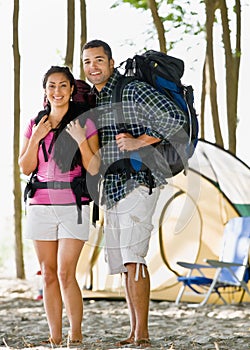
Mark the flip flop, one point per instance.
(73, 342)
(143, 343)
(125, 342)
(51, 342)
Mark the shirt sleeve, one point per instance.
(162, 118)
(28, 130)
(91, 128)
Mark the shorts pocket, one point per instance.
(139, 238)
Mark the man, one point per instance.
(130, 195)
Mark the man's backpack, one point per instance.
(164, 73)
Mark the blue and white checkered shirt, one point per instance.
(145, 112)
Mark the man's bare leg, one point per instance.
(131, 337)
(137, 297)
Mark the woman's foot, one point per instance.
(74, 340)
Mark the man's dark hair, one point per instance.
(98, 43)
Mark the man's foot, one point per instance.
(125, 341)
(143, 343)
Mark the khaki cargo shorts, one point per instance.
(127, 229)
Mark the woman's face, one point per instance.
(58, 89)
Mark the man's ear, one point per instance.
(112, 63)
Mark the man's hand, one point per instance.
(126, 142)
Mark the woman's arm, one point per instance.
(28, 156)
(91, 159)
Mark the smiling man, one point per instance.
(129, 195)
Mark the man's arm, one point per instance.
(126, 142)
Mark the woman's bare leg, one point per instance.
(68, 254)
(52, 299)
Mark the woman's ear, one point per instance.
(45, 99)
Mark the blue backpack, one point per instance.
(164, 73)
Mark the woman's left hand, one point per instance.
(76, 131)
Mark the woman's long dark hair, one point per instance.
(66, 151)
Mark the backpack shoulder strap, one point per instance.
(40, 115)
(118, 89)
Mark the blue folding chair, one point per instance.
(231, 270)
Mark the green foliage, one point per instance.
(181, 15)
(138, 4)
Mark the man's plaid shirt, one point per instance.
(145, 112)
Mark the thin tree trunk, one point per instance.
(210, 10)
(158, 24)
(232, 70)
(203, 99)
(16, 170)
(70, 34)
(83, 34)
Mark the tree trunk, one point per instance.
(70, 34)
(158, 25)
(203, 99)
(83, 34)
(232, 70)
(16, 171)
(210, 11)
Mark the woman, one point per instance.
(57, 145)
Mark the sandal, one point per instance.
(125, 342)
(73, 342)
(143, 343)
(51, 342)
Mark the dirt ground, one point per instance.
(23, 323)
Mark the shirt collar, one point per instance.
(108, 88)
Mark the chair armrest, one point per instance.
(217, 263)
(193, 266)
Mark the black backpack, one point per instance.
(164, 73)
(85, 185)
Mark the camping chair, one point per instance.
(231, 270)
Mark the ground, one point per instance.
(23, 323)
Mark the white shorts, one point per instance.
(127, 229)
(53, 222)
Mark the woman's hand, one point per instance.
(76, 131)
(40, 130)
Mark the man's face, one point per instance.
(97, 67)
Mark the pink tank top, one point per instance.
(49, 171)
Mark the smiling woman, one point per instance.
(58, 150)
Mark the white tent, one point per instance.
(189, 221)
